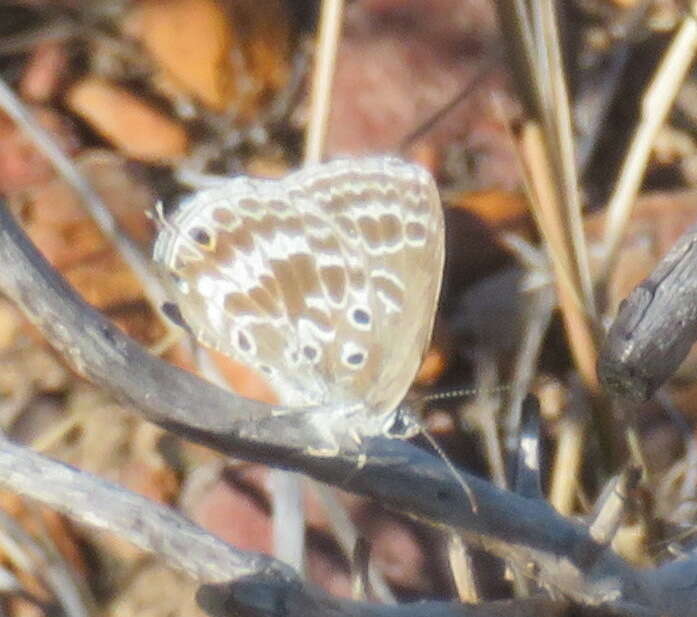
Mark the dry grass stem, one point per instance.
(612, 506)
(547, 152)
(567, 462)
(560, 138)
(655, 105)
(463, 570)
(348, 537)
(545, 205)
(330, 22)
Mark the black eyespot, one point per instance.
(310, 352)
(243, 342)
(264, 368)
(200, 235)
(173, 313)
(361, 316)
(355, 358)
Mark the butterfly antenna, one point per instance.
(163, 222)
(462, 392)
(447, 395)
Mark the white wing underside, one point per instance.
(326, 281)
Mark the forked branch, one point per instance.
(396, 473)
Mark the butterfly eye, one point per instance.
(174, 314)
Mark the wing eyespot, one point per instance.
(244, 344)
(353, 356)
(361, 318)
(311, 353)
(200, 236)
(355, 359)
(171, 310)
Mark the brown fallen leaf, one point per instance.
(131, 124)
(192, 42)
(399, 63)
(226, 55)
(57, 222)
(236, 509)
(432, 366)
(44, 71)
(265, 31)
(496, 207)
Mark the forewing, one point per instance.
(326, 281)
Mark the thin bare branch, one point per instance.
(152, 527)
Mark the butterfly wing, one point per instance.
(326, 281)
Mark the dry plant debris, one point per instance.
(146, 95)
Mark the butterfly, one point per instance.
(325, 281)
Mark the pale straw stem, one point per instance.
(655, 106)
(330, 21)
